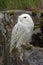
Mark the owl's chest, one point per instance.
(25, 30)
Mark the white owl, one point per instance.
(21, 32)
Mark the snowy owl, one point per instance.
(21, 32)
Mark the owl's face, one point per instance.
(26, 19)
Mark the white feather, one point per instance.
(22, 31)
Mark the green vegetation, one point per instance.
(20, 4)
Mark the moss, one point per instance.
(41, 19)
(37, 26)
(29, 47)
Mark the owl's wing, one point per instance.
(16, 34)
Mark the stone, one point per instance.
(33, 57)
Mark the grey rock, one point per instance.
(34, 57)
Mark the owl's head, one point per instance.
(26, 19)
